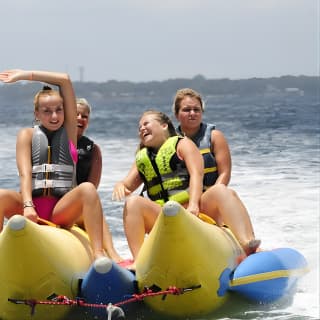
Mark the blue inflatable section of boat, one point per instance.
(267, 276)
(105, 283)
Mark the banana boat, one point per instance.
(39, 262)
(205, 262)
(186, 267)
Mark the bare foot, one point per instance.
(131, 267)
(113, 255)
(98, 254)
(252, 246)
(125, 263)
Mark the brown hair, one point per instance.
(162, 118)
(181, 94)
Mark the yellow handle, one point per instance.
(206, 218)
(47, 222)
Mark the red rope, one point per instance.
(64, 300)
(149, 293)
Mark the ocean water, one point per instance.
(275, 147)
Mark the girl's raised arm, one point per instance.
(62, 80)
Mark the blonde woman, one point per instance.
(89, 168)
(50, 192)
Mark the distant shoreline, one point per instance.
(100, 93)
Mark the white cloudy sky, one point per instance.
(144, 40)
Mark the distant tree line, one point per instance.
(161, 91)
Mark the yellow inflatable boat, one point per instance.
(186, 267)
(204, 263)
(38, 262)
(190, 254)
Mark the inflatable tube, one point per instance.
(105, 283)
(38, 262)
(198, 259)
(267, 276)
(185, 252)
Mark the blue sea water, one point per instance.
(275, 147)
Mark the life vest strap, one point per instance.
(207, 170)
(45, 184)
(52, 167)
(205, 150)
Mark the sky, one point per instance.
(156, 40)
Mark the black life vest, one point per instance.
(85, 149)
(203, 141)
(53, 169)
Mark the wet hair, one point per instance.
(162, 118)
(181, 94)
(84, 102)
(45, 91)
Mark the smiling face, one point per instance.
(49, 111)
(152, 132)
(83, 114)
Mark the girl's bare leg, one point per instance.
(108, 243)
(223, 204)
(82, 201)
(10, 204)
(107, 240)
(139, 216)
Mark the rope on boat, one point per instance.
(65, 301)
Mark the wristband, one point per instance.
(28, 204)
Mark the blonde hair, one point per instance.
(84, 102)
(45, 91)
(181, 94)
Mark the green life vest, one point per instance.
(164, 174)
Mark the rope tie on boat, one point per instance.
(64, 300)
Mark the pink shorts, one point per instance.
(44, 206)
